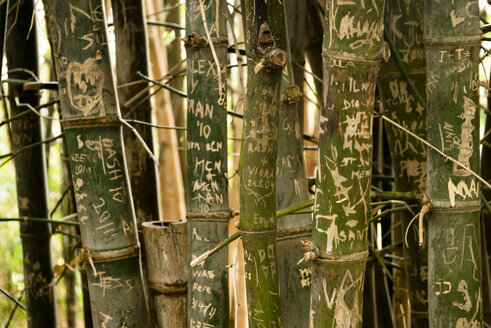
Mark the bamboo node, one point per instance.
(210, 216)
(194, 40)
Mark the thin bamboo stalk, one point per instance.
(291, 179)
(265, 48)
(30, 166)
(352, 57)
(409, 156)
(132, 60)
(208, 210)
(92, 125)
(452, 43)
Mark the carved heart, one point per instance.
(84, 85)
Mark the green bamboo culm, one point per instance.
(404, 25)
(452, 43)
(208, 212)
(30, 167)
(265, 48)
(92, 125)
(352, 56)
(291, 179)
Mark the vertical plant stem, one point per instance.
(291, 180)
(408, 155)
(265, 48)
(452, 40)
(352, 59)
(131, 58)
(30, 166)
(92, 125)
(208, 210)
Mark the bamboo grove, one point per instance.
(245, 163)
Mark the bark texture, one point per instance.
(92, 125)
(265, 48)
(353, 43)
(30, 167)
(405, 24)
(452, 40)
(208, 211)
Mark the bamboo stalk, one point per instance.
(291, 179)
(167, 251)
(208, 210)
(452, 40)
(30, 166)
(265, 47)
(404, 73)
(132, 59)
(340, 248)
(92, 125)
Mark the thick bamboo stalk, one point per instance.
(352, 51)
(30, 166)
(167, 253)
(405, 24)
(291, 180)
(92, 125)
(452, 40)
(208, 211)
(265, 44)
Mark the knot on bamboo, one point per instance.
(272, 60)
(193, 40)
(292, 95)
(85, 255)
(311, 250)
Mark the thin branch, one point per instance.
(140, 139)
(17, 152)
(477, 176)
(178, 92)
(402, 67)
(165, 10)
(40, 220)
(166, 24)
(65, 192)
(156, 126)
(13, 299)
(212, 46)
